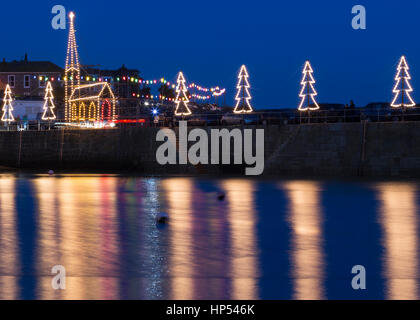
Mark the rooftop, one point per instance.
(29, 66)
(123, 71)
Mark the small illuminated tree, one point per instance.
(402, 89)
(243, 97)
(7, 106)
(308, 92)
(49, 104)
(182, 97)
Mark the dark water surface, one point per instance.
(267, 240)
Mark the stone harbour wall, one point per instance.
(390, 149)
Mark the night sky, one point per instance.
(210, 40)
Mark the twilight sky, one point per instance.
(210, 40)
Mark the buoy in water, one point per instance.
(221, 196)
(51, 172)
(162, 218)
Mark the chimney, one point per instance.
(26, 57)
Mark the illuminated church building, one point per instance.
(85, 102)
(92, 102)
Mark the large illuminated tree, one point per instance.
(402, 89)
(243, 97)
(49, 104)
(7, 106)
(182, 97)
(308, 92)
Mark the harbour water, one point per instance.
(269, 239)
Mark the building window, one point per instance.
(42, 81)
(12, 80)
(27, 81)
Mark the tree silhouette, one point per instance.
(167, 92)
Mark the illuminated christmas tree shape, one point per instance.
(181, 97)
(49, 104)
(402, 87)
(7, 106)
(308, 92)
(243, 97)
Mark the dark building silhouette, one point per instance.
(28, 78)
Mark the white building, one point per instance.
(28, 109)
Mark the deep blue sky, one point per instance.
(209, 40)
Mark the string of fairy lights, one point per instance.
(213, 91)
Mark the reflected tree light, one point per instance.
(109, 234)
(244, 250)
(8, 240)
(305, 218)
(181, 261)
(398, 218)
(49, 244)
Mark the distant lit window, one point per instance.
(27, 81)
(42, 81)
(12, 80)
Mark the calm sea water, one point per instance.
(267, 240)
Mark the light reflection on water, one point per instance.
(305, 217)
(400, 227)
(103, 230)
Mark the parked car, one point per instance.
(232, 119)
(279, 116)
(377, 111)
(327, 112)
(237, 119)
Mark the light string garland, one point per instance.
(181, 98)
(308, 92)
(49, 104)
(199, 97)
(243, 97)
(8, 106)
(215, 92)
(402, 86)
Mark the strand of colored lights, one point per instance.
(216, 92)
(201, 97)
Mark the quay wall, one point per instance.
(389, 149)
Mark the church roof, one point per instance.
(92, 91)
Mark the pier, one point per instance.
(368, 149)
